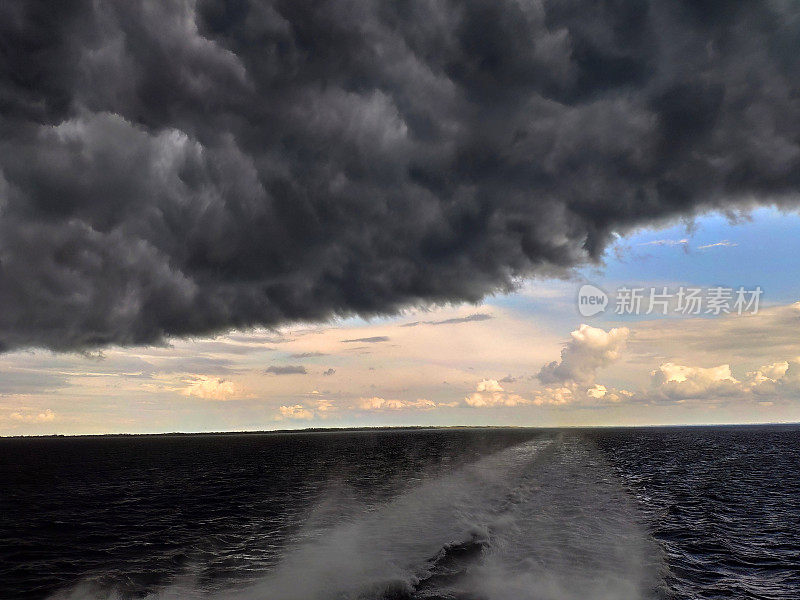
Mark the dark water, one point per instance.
(462, 514)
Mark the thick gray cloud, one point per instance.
(286, 370)
(180, 168)
(455, 321)
(30, 382)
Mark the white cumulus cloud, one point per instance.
(209, 388)
(681, 382)
(589, 349)
(378, 403)
(43, 417)
(489, 392)
(296, 412)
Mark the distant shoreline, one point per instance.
(309, 430)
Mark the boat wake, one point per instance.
(543, 520)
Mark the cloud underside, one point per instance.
(181, 168)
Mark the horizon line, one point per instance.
(397, 427)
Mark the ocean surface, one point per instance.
(470, 514)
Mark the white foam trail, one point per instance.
(389, 548)
(555, 525)
(569, 533)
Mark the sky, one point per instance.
(465, 364)
(277, 214)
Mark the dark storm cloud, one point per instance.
(286, 370)
(180, 168)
